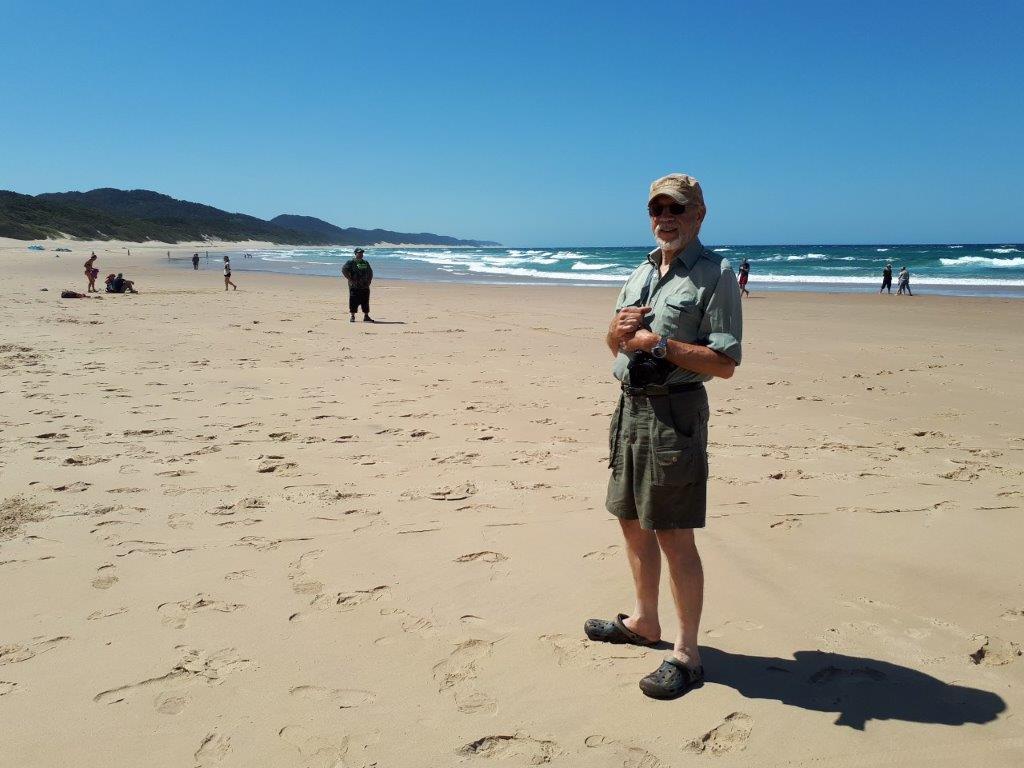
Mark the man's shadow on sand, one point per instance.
(857, 689)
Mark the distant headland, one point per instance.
(140, 215)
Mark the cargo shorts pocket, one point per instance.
(683, 464)
(613, 435)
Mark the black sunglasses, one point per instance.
(656, 209)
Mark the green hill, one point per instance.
(188, 221)
(24, 217)
(325, 232)
(138, 215)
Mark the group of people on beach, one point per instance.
(903, 281)
(113, 284)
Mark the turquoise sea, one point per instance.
(955, 269)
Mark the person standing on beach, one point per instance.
(359, 274)
(886, 279)
(678, 323)
(195, 261)
(744, 276)
(227, 274)
(904, 282)
(91, 273)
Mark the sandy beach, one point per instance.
(238, 530)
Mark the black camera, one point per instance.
(644, 368)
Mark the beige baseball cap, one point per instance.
(680, 187)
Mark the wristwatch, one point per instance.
(660, 350)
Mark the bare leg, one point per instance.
(645, 563)
(687, 576)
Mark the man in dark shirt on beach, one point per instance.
(359, 274)
(886, 279)
(677, 324)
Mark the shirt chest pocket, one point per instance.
(683, 315)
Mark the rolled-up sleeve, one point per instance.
(723, 318)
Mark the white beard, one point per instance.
(669, 245)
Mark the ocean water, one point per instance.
(955, 269)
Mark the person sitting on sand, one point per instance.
(227, 274)
(91, 273)
(118, 284)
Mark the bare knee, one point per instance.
(634, 534)
(679, 545)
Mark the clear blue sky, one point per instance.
(533, 123)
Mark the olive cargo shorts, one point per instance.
(658, 454)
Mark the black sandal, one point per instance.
(671, 680)
(604, 631)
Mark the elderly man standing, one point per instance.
(677, 324)
(359, 274)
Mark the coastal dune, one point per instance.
(238, 530)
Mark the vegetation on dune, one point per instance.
(138, 215)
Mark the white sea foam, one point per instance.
(881, 250)
(807, 256)
(983, 261)
(579, 265)
(524, 272)
(1002, 250)
(861, 280)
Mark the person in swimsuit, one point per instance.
(227, 274)
(91, 273)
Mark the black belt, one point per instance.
(660, 390)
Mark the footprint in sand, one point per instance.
(275, 465)
(603, 554)
(7, 687)
(178, 520)
(625, 755)
(457, 493)
(302, 582)
(518, 746)
(81, 460)
(342, 698)
(571, 650)
(411, 623)
(15, 654)
(345, 600)
(316, 750)
(177, 614)
(731, 736)
(485, 557)
(733, 624)
(195, 668)
(76, 487)
(106, 577)
(97, 615)
(212, 750)
(995, 652)
(458, 672)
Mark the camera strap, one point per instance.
(645, 294)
